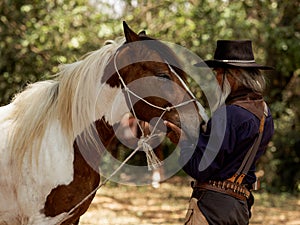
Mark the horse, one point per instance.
(49, 129)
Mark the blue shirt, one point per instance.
(220, 150)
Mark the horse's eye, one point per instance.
(163, 76)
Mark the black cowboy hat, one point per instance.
(233, 53)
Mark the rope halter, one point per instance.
(143, 144)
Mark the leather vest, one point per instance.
(248, 100)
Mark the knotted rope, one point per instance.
(152, 160)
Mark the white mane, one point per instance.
(70, 98)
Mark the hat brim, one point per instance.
(218, 64)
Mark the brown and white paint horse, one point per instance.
(43, 171)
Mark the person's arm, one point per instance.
(204, 158)
(191, 154)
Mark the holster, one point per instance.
(194, 216)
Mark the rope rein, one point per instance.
(143, 144)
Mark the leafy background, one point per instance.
(36, 36)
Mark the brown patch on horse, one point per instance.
(64, 197)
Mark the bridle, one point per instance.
(143, 144)
(129, 92)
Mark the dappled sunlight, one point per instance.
(131, 205)
(140, 205)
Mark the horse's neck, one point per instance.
(111, 107)
(105, 132)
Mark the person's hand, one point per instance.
(175, 133)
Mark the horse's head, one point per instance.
(153, 82)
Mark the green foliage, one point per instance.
(36, 36)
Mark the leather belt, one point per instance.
(226, 187)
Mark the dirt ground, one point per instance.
(119, 205)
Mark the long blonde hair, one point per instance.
(252, 79)
(70, 99)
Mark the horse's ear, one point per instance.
(130, 35)
(142, 33)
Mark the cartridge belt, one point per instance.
(226, 187)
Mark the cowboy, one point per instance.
(222, 187)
